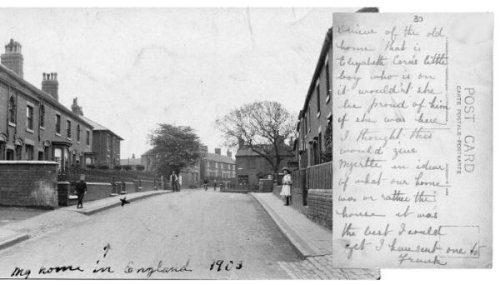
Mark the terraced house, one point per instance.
(34, 125)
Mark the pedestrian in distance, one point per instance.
(174, 180)
(205, 184)
(81, 189)
(215, 185)
(286, 186)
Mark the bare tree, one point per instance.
(261, 126)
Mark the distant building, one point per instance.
(106, 144)
(133, 163)
(250, 166)
(33, 124)
(215, 166)
(314, 129)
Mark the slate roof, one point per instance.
(98, 127)
(219, 158)
(247, 151)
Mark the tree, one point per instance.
(261, 126)
(174, 148)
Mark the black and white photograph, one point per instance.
(248, 142)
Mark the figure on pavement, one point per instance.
(174, 180)
(205, 184)
(286, 186)
(215, 184)
(81, 189)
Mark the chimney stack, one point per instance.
(229, 154)
(76, 108)
(13, 58)
(50, 84)
(217, 151)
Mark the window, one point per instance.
(58, 124)
(88, 137)
(251, 163)
(309, 118)
(108, 141)
(12, 110)
(305, 124)
(29, 152)
(42, 116)
(78, 133)
(318, 99)
(29, 117)
(328, 88)
(68, 128)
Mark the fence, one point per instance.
(312, 192)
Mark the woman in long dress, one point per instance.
(286, 186)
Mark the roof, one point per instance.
(219, 158)
(284, 150)
(327, 44)
(42, 94)
(130, 161)
(98, 127)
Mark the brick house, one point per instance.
(215, 166)
(33, 124)
(250, 166)
(313, 145)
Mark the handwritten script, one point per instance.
(412, 144)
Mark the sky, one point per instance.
(132, 69)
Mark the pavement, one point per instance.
(311, 241)
(31, 223)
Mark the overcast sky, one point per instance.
(134, 68)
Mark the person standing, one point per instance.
(286, 186)
(81, 189)
(205, 184)
(174, 181)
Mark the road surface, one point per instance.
(186, 231)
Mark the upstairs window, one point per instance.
(88, 137)
(29, 117)
(328, 88)
(68, 128)
(78, 132)
(58, 124)
(42, 116)
(12, 110)
(318, 99)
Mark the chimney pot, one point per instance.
(13, 58)
(50, 84)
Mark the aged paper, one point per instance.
(412, 140)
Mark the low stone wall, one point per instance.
(147, 185)
(28, 184)
(98, 190)
(129, 187)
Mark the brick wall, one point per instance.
(96, 191)
(320, 206)
(28, 184)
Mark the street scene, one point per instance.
(167, 144)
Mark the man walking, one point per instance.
(174, 181)
(81, 189)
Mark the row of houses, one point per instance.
(34, 125)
